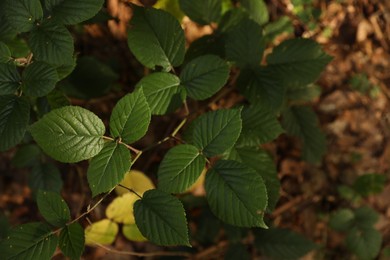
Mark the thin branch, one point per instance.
(130, 189)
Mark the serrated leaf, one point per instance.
(53, 208)
(132, 233)
(231, 19)
(202, 12)
(342, 220)
(102, 232)
(260, 123)
(66, 69)
(26, 156)
(180, 168)
(213, 44)
(282, 25)
(22, 14)
(52, 43)
(365, 243)
(259, 160)
(130, 117)
(39, 78)
(7, 32)
(369, 184)
(245, 44)
(204, 76)
(45, 177)
(262, 86)
(257, 10)
(236, 194)
(33, 241)
(120, 209)
(162, 91)
(72, 11)
(303, 123)
(283, 244)
(108, 168)
(69, 134)
(18, 47)
(156, 38)
(71, 241)
(161, 219)
(9, 79)
(14, 117)
(135, 180)
(5, 53)
(217, 131)
(298, 61)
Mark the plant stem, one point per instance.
(131, 190)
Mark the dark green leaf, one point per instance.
(257, 10)
(204, 76)
(231, 19)
(23, 14)
(7, 32)
(303, 93)
(130, 117)
(52, 43)
(217, 131)
(45, 177)
(57, 99)
(162, 91)
(108, 168)
(237, 251)
(180, 168)
(365, 243)
(282, 25)
(72, 11)
(26, 156)
(72, 241)
(245, 44)
(18, 47)
(342, 220)
(156, 38)
(4, 227)
(202, 11)
(365, 217)
(282, 244)
(67, 68)
(39, 78)
(53, 208)
(302, 122)
(369, 184)
(213, 44)
(161, 218)
(69, 134)
(5, 53)
(298, 61)
(33, 241)
(14, 117)
(236, 194)
(9, 79)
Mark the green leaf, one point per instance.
(52, 43)
(202, 12)
(72, 11)
(217, 131)
(237, 251)
(45, 176)
(298, 61)
(108, 168)
(260, 124)
(162, 91)
(259, 160)
(5, 53)
(66, 69)
(72, 241)
(69, 134)
(156, 38)
(282, 25)
(132, 233)
(213, 44)
(26, 156)
(7, 32)
(284, 244)
(102, 232)
(204, 76)
(18, 47)
(303, 123)
(365, 217)
(33, 241)
(53, 208)
(39, 78)
(22, 14)
(130, 117)
(369, 184)
(342, 220)
(245, 44)
(231, 19)
(14, 117)
(303, 93)
(236, 194)
(9, 79)
(365, 243)
(180, 168)
(257, 10)
(57, 99)
(161, 219)
(170, 6)
(261, 85)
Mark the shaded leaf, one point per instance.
(365, 243)
(23, 14)
(202, 11)
(53, 208)
(39, 79)
(71, 241)
(369, 184)
(9, 79)
(257, 10)
(45, 177)
(5, 53)
(170, 6)
(342, 220)
(26, 156)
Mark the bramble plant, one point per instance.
(240, 178)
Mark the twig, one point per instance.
(130, 189)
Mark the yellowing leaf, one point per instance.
(131, 232)
(102, 232)
(137, 181)
(120, 209)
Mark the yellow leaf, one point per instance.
(137, 181)
(102, 232)
(171, 6)
(131, 232)
(120, 209)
